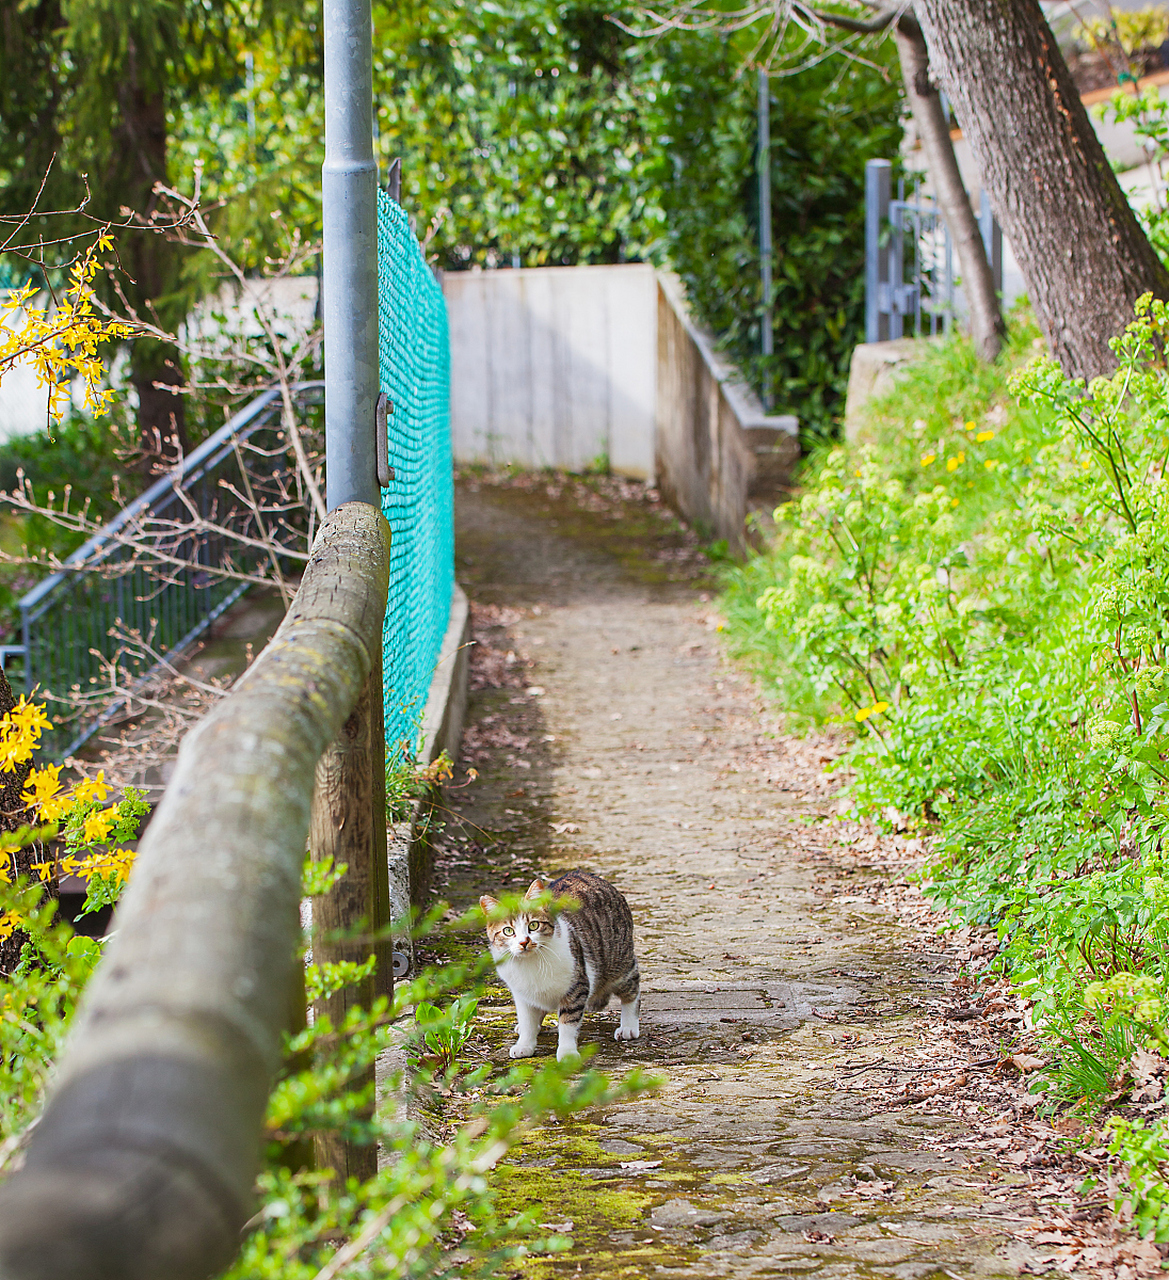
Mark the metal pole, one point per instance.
(878, 177)
(763, 167)
(349, 192)
(349, 799)
(992, 238)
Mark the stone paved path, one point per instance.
(618, 752)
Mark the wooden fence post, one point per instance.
(352, 920)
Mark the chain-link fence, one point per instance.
(75, 621)
(414, 362)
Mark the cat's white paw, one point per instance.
(567, 1051)
(521, 1050)
(627, 1033)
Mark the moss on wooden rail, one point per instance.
(144, 1160)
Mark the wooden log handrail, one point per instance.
(143, 1163)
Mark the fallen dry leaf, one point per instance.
(1025, 1062)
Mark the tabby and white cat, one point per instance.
(573, 954)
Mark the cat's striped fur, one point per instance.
(573, 954)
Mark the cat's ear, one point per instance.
(488, 903)
(535, 889)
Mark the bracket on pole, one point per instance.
(385, 406)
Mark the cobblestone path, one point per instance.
(767, 972)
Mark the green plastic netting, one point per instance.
(414, 370)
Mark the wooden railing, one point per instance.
(142, 1166)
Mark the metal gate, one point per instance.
(910, 286)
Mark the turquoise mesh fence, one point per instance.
(414, 368)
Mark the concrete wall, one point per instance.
(558, 366)
(553, 366)
(715, 446)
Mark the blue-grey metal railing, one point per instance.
(910, 286)
(71, 621)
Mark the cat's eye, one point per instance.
(508, 931)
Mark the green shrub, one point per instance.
(979, 590)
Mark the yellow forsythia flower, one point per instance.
(20, 733)
(984, 436)
(927, 458)
(990, 464)
(98, 824)
(874, 710)
(92, 789)
(110, 862)
(42, 785)
(972, 426)
(951, 464)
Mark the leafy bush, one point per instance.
(544, 134)
(1144, 1148)
(979, 590)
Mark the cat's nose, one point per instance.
(525, 943)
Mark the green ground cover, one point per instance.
(979, 589)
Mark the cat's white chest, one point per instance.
(543, 976)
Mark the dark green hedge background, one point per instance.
(549, 135)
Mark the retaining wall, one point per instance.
(562, 366)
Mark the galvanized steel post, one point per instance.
(763, 166)
(349, 799)
(349, 192)
(878, 179)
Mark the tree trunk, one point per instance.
(141, 141)
(162, 423)
(986, 317)
(1079, 245)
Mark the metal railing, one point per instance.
(71, 622)
(910, 283)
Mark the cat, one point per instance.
(565, 957)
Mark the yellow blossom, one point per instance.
(41, 785)
(927, 458)
(98, 824)
(951, 464)
(30, 716)
(61, 341)
(972, 426)
(55, 808)
(990, 464)
(20, 733)
(865, 712)
(92, 789)
(953, 502)
(984, 436)
(110, 862)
